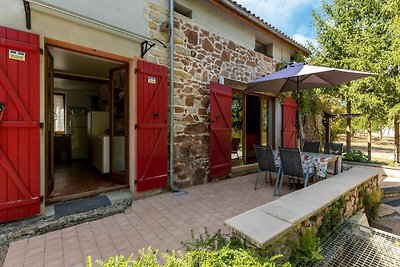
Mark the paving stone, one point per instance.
(385, 210)
(165, 219)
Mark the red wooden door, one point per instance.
(152, 146)
(221, 130)
(289, 132)
(19, 125)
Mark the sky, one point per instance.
(293, 17)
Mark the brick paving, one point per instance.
(161, 221)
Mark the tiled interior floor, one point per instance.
(78, 176)
(161, 221)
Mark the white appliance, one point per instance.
(98, 122)
(100, 152)
(79, 138)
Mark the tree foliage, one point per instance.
(362, 35)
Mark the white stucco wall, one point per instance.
(72, 31)
(220, 22)
(231, 28)
(281, 52)
(124, 14)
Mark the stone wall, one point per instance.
(352, 204)
(200, 56)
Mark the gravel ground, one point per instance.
(3, 253)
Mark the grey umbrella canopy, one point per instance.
(299, 76)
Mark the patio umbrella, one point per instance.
(300, 76)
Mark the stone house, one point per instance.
(84, 96)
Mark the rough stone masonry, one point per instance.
(200, 56)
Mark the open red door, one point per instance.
(152, 146)
(221, 130)
(19, 125)
(289, 132)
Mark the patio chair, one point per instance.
(235, 146)
(292, 167)
(311, 146)
(266, 162)
(334, 149)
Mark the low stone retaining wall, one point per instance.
(273, 225)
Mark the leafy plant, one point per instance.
(237, 109)
(224, 256)
(211, 242)
(117, 261)
(371, 201)
(307, 249)
(332, 218)
(356, 156)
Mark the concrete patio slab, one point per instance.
(161, 221)
(263, 224)
(249, 226)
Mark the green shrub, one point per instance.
(207, 241)
(198, 258)
(307, 250)
(356, 156)
(208, 250)
(371, 202)
(332, 218)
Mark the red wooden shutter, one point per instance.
(289, 132)
(152, 146)
(19, 125)
(221, 129)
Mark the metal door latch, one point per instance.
(2, 107)
(156, 114)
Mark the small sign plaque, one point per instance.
(151, 80)
(16, 55)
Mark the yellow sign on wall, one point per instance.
(16, 55)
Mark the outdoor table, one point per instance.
(318, 160)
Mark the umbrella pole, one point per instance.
(298, 114)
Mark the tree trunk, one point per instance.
(369, 140)
(397, 138)
(348, 128)
(326, 123)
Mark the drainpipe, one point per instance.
(171, 99)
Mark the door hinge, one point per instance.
(135, 182)
(136, 71)
(136, 126)
(41, 51)
(41, 125)
(41, 199)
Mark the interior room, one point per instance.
(251, 125)
(85, 140)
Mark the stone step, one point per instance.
(47, 222)
(390, 193)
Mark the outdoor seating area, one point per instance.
(298, 165)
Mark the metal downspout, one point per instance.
(171, 99)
